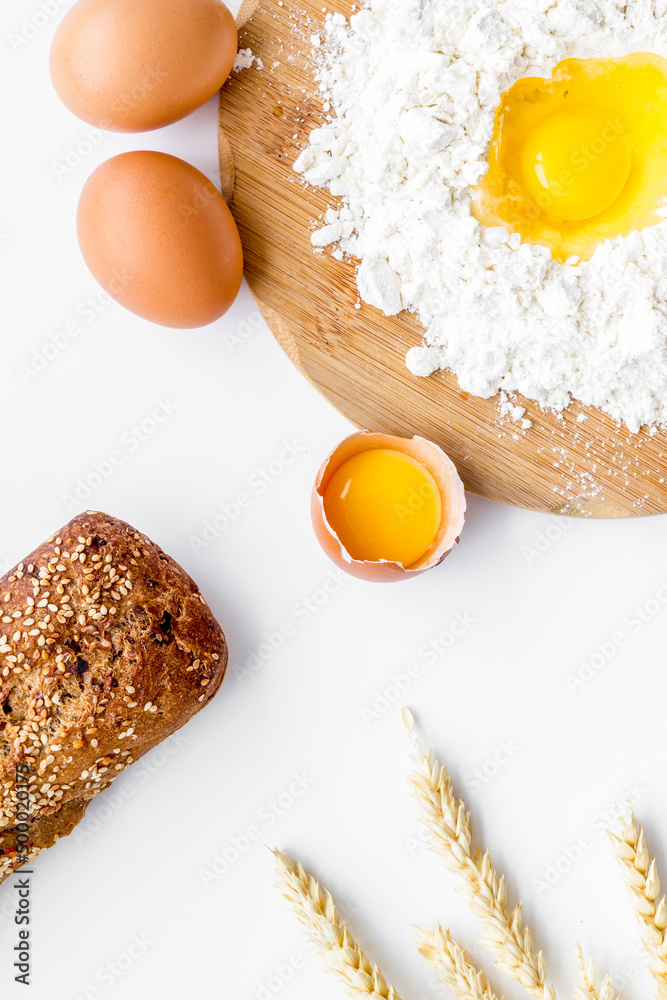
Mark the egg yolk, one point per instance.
(581, 157)
(550, 152)
(384, 505)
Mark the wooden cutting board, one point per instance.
(356, 356)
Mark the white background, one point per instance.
(543, 592)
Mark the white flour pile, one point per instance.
(413, 86)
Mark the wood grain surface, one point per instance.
(356, 356)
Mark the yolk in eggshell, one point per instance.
(384, 505)
(581, 157)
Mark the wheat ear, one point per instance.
(452, 964)
(641, 875)
(344, 956)
(486, 894)
(589, 990)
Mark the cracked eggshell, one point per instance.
(451, 489)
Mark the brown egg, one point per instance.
(136, 65)
(160, 239)
(387, 508)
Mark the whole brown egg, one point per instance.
(136, 65)
(159, 238)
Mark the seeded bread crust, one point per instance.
(106, 648)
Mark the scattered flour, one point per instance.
(245, 58)
(413, 86)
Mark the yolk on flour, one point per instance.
(384, 505)
(581, 157)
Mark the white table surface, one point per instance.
(304, 748)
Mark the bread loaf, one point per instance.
(106, 648)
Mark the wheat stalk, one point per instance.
(452, 840)
(589, 990)
(452, 964)
(641, 875)
(317, 912)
